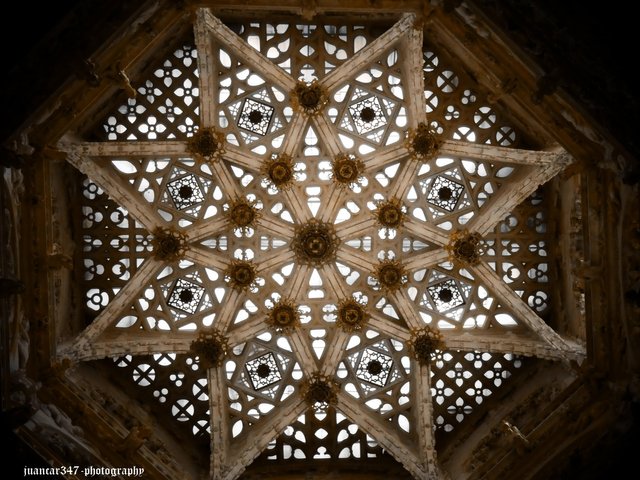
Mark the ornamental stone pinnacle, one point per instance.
(309, 98)
(315, 243)
(211, 348)
(169, 244)
(423, 344)
(422, 142)
(207, 142)
(465, 247)
(284, 316)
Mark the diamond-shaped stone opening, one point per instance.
(446, 295)
(263, 371)
(367, 115)
(186, 296)
(374, 367)
(185, 192)
(445, 193)
(255, 116)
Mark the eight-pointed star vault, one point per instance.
(319, 231)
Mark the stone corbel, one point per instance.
(521, 442)
(119, 76)
(309, 9)
(59, 260)
(90, 74)
(136, 437)
(546, 85)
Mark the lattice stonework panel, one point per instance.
(461, 109)
(163, 103)
(252, 112)
(113, 246)
(376, 372)
(371, 112)
(183, 296)
(461, 382)
(449, 192)
(181, 190)
(177, 383)
(518, 250)
(451, 298)
(313, 436)
(306, 51)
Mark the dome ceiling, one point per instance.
(304, 239)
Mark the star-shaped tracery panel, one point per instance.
(315, 242)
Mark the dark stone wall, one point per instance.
(587, 49)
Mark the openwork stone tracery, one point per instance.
(367, 241)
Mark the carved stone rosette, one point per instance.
(424, 342)
(422, 142)
(390, 214)
(242, 214)
(284, 316)
(211, 347)
(279, 171)
(352, 315)
(309, 98)
(315, 243)
(207, 143)
(240, 274)
(390, 275)
(346, 170)
(465, 247)
(319, 391)
(169, 244)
